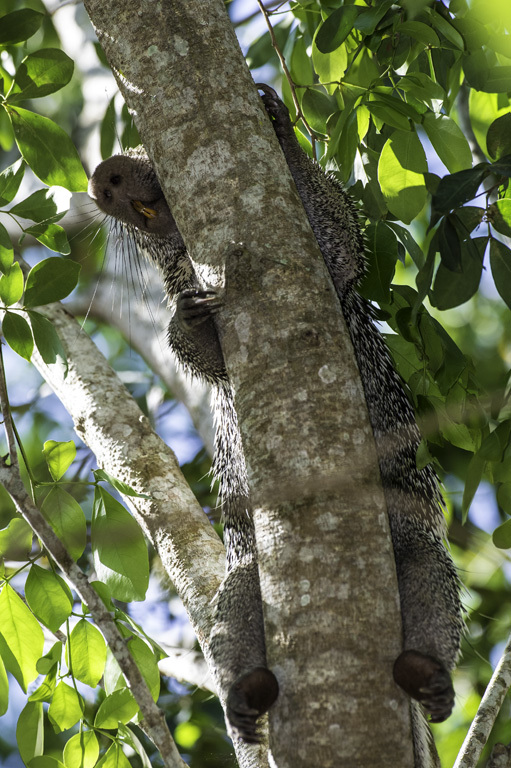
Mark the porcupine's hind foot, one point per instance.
(250, 697)
(424, 678)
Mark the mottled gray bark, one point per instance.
(144, 326)
(328, 581)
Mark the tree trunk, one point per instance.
(327, 571)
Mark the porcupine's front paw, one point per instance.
(194, 307)
(424, 678)
(277, 111)
(250, 697)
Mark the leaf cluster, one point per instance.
(80, 654)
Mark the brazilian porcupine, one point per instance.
(126, 188)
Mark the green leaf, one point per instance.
(4, 689)
(47, 340)
(370, 18)
(48, 150)
(51, 280)
(317, 108)
(10, 180)
(16, 540)
(502, 535)
(47, 688)
(448, 142)
(86, 650)
(6, 250)
(335, 29)
(17, 334)
(124, 488)
(449, 243)
(82, 750)
(66, 707)
(497, 80)
(48, 596)
(50, 660)
(446, 29)
(498, 138)
(128, 737)
(329, 67)
(30, 731)
(147, 664)
(453, 191)
(40, 73)
(504, 497)
(22, 635)
(385, 114)
(400, 173)
(301, 66)
(52, 236)
(500, 261)
(118, 707)
(419, 31)
(45, 761)
(19, 25)
(67, 519)
(11, 285)
(59, 457)
(114, 758)
(382, 252)
(40, 206)
(409, 243)
(451, 290)
(500, 216)
(119, 550)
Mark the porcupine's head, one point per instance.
(126, 188)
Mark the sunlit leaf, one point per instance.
(19, 25)
(81, 750)
(30, 731)
(17, 334)
(41, 73)
(21, 635)
(48, 150)
(119, 548)
(66, 707)
(118, 707)
(59, 456)
(10, 180)
(86, 652)
(50, 280)
(401, 175)
(67, 519)
(11, 285)
(48, 596)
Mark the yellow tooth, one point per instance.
(149, 213)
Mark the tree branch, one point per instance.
(145, 328)
(489, 708)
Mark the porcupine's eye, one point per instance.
(115, 180)
(107, 194)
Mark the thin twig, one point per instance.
(299, 113)
(489, 708)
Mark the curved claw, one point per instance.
(196, 306)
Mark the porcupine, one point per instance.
(126, 188)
